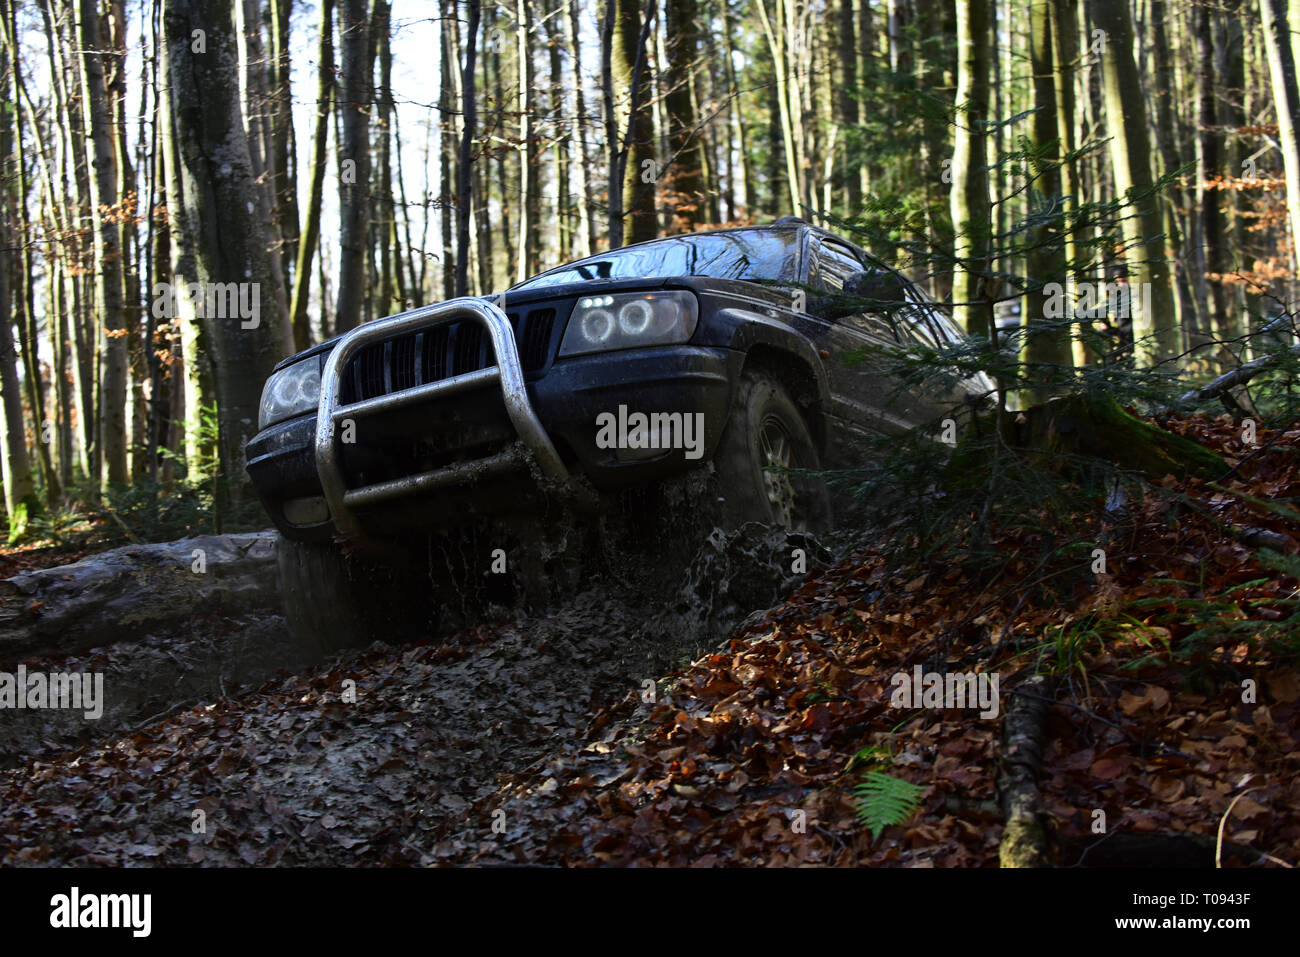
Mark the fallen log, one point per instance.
(1096, 427)
(1237, 377)
(126, 592)
(1025, 838)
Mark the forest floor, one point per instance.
(581, 735)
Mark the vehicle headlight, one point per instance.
(292, 391)
(601, 323)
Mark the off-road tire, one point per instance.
(333, 600)
(765, 428)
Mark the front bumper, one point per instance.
(483, 441)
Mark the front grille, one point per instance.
(441, 352)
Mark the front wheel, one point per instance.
(333, 600)
(766, 461)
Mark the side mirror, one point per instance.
(865, 292)
(875, 289)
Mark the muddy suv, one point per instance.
(732, 349)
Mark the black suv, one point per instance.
(732, 347)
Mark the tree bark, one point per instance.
(354, 162)
(585, 244)
(639, 167)
(684, 170)
(1046, 349)
(969, 198)
(19, 489)
(310, 237)
(284, 149)
(103, 197)
(219, 220)
(1155, 330)
(465, 168)
(1286, 104)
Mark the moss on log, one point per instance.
(1097, 427)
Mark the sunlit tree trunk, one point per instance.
(1155, 330)
(1286, 103)
(1047, 341)
(969, 198)
(585, 242)
(310, 237)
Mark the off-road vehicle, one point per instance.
(731, 350)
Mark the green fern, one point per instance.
(884, 801)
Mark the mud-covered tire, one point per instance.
(333, 600)
(765, 428)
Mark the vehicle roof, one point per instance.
(785, 224)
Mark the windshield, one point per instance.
(758, 254)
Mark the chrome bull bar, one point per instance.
(508, 371)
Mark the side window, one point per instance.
(838, 263)
(926, 322)
(835, 264)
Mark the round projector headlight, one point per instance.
(598, 325)
(635, 317)
(289, 392)
(660, 317)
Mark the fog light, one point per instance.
(311, 510)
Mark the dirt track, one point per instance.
(370, 758)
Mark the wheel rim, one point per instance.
(777, 452)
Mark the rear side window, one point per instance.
(926, 322)
(836, 263)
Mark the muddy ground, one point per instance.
(226, 741)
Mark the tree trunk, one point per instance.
(136, 413)
(847, 101)
(1096, 427)
(26, 298)
(354, 162)
(639, 166)
(217, 220)
(1155, 330)
(585, 243)
(1065, 51)
(252, 53)
(380, 26)
(103, 196)
(284, 149)
(685, 155)
(1046, 349)
(465, 168)
(1163, 88)
(310, 236)
(19, 489)
(743, 174)
(446, 149)
(1286, 104)
(969, 199)
(778, 40)
(66, 72)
